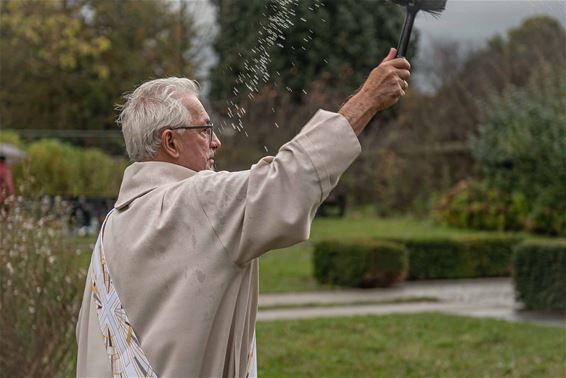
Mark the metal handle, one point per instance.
(406, 33)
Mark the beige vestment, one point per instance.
(182, 249)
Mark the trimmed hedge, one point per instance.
(539, 274)
(360, 263)
(460, 257)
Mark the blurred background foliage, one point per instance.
(55, 168)
(65, 63)
(458, 151)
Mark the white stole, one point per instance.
(127, 359)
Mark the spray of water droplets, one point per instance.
(279, 16)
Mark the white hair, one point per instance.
(151, 107)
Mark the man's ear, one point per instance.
(169, 144)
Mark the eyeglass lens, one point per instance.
(210, 133)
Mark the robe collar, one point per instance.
(142, 177)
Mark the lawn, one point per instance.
(360, 225)
(422, 345)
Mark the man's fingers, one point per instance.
(403, 84)
(391, 55)
(404, 74)
(400, 63)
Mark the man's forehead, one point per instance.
(194, 106)
(191, 101)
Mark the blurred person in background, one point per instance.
(172, 289)
(6, 181)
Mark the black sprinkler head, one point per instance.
(434, 7)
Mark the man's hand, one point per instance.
(388, 81)
(383, 88)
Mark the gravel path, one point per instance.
(487, 298)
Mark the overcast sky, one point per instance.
(475, 21)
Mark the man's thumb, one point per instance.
(391, 55)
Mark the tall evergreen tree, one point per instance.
(338, 41)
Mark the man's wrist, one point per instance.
(359, 110)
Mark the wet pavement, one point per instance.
(482, 298)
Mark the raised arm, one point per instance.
(273, 204)
(383, 88)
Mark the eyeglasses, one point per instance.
(208, 129)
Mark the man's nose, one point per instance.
(215, 142)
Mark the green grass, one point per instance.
(358, 225)
(422, 345)
(288, 269)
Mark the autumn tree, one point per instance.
(47, 57)
(64, 64)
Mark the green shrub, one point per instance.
(460, 257)
(11, 137)
(52, 168)
(55, 168)
(100, 175)
(548, 214)
(521, 148)
(472, 204)
(539, 274)
(360, 263)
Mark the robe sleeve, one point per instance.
(273, 204)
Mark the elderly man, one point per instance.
(172, 288)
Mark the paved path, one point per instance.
(491, 298)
